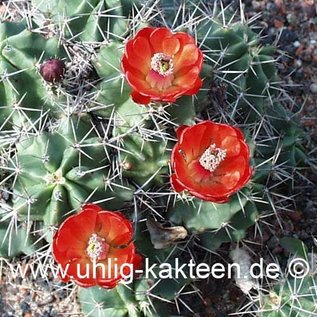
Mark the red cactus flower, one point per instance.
(162, 66)
(210, 160)
(94, 246)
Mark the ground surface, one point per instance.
(293, 26)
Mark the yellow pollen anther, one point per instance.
(97, 248)
(162, 64)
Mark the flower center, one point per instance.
(212, 157)
(162, 64)
(97, 248)
(54, 178)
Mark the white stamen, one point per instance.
(162, 64)
(96, 247)
(212, 157)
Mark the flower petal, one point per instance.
(198, 138)
(180, 130)
(157, 37)
(184, 38)
(231, 144)
(145, 32)
(114, 224)
(136, 83)
(134, 60)
(142, 48)
(81, 271)
(177, 186)
(76, 230)
(231, 170)
(158, 81)
(188, 55)
(139, 98)
(196, 87)
(171, 46)
(215, 199)
(109, 271)
(188, 79)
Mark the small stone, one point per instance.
(256, 5)
(278, 250)
(310, 10)
(306, 55)
(48, 300)
(313, 88)
(272, 7)
(288, 36)
(278, 23)
(268, 39)
(298, 63)
(25, 306)
(299, 74)
(299, 50)
(291, 18)
(296, 44)
(284, 59)
(290, 49)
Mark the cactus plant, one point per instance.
(123, 301)
(144, 161)
(112, 94)
(233, 51)
(68, 138)
(291, 297)
(56, 173)
(118, 302)
(91, 21)
(16, 239)
(238, 60)
(143, 297)
(25, 96)
(294, 293)
(214, 223)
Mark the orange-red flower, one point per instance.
(161, 66)
(210, 160)
(94, 247)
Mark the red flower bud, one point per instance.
(52, 70)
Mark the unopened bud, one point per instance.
(52, 70)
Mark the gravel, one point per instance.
(313, 88)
